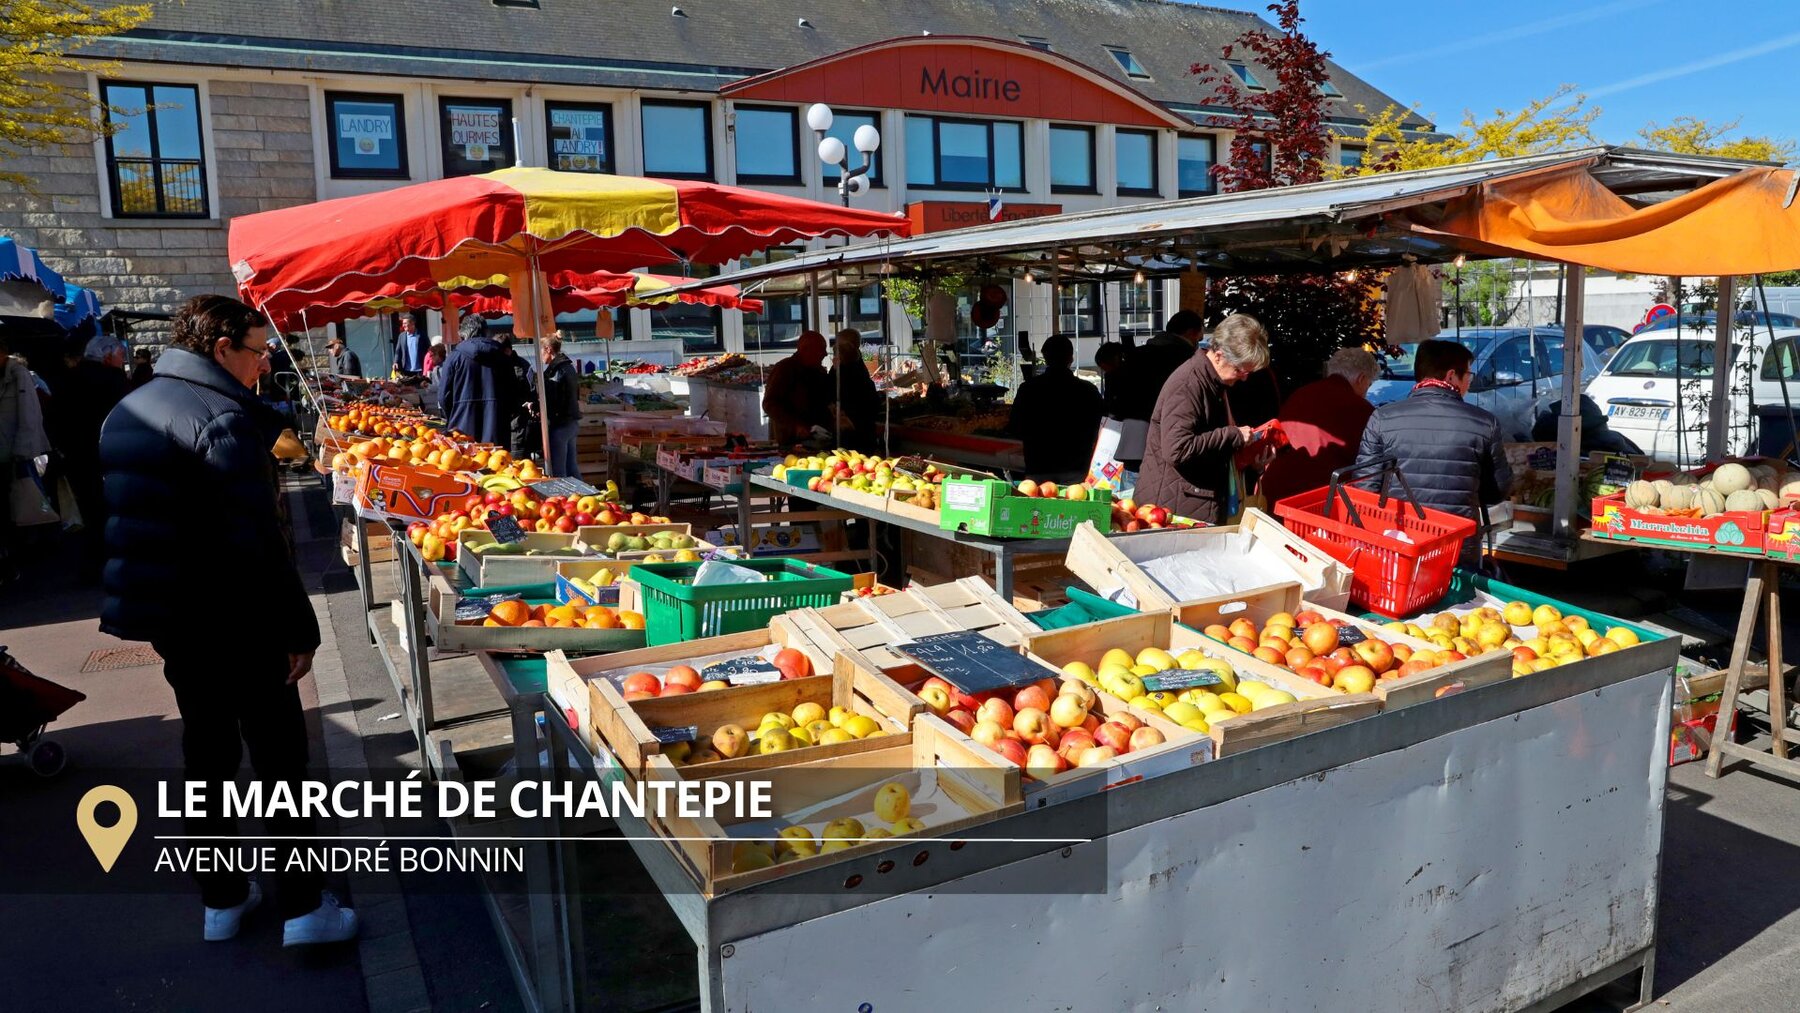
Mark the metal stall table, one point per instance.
(1495, 850)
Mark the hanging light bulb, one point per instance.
(1349, 275)
(1460, 261)
(1138, 277)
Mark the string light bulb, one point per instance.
(1138, 277)
(1460, 261)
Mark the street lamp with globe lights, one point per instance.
(832, 151)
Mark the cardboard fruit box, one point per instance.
(995, 508)
(1107, 563)
(1782, 540)
(1742, 531)
(1394, 692)
(406, 493)
(1314, 706)
(953, 789)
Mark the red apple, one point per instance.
(962, 719)
(1297, 658)
(565, 524)
(1131, 721)
(1320, 638)
(996, 710)
(1031, 697)
(1096, 756)
(1115, 735)
(987, 733)
(1244, 644)
(1217, 632)
(1042, 763)
(1013, 750)
(1047, 490)
(1376, 654)
(1028, 488)
(1307, 618)
(1075, 740)
(1030, 723)
(939, 683)
(1145, 738)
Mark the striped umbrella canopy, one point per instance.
(508, 226)
(569, 293)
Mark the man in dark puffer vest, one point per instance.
(1450, 451)
(198, 564)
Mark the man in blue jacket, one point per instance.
(478, 390)
(1450, 451)
(198, 564)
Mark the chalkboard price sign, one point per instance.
(1350, 636)
(747, 671)
(973, 663)
(505, 529)
(563, 487)
(470, 609)
(1174, 679)
(670, 736)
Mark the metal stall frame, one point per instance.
(1589, 744)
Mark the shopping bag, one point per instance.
(29, 504)
(1120, 440)
(67, 506)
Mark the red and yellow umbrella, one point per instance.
(507, 228)
(600, 290)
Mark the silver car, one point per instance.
(1518, 372)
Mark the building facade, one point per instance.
(228, 108)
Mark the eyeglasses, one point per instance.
(261, 353)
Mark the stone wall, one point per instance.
(262, 158)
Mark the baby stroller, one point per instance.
(27, 705)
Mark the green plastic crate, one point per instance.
(994, 508)
(1465, 583)
(1083, 608)
(675, 610)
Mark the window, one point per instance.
(783, 317)
(768, 145)
(1035, 42)
(581, 136)
(843, 127)
(1195, 157)
(366, 135)
(155, 159)
(865, 310)
(1141, 307)
(477, 135)
(1329, 90)
(1350, 156)
(1128, 63)
(964, 154)
(678, 140)
(700, 328)
(1072, 159)
(1135, 154)
(1245, 77)
(1079, 310)
(1781, 361)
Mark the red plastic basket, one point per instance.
(1389, 575)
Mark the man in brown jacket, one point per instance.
(1188, 453)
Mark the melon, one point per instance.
(1683, 478)
(1769, 500)
(1790, 491)
(1746, 500)
(1641, 494)
(1710, 502)
(1679, 497)
(1730, 478)
(1662, 486)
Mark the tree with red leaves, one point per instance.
(1280, 139)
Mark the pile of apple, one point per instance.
(1130, 515)
(1196, 709)
(1307, 644)
(893, 806)
(1049, 490)
(682, 679)
(809, 724)
(1046, 727)
(1560, 639)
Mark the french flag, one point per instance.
(995, 203)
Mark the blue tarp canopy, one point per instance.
(21, 263)
(78, 306)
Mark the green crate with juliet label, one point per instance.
(1001, 510)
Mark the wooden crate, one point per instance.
(453, 636)
(612, 721)
(1133, 633)
(871, 624)
(380, 540)
(501, 571)
(1112, 562)
(1258, 606)
(954, 789)
(929, 556)
(628, 728)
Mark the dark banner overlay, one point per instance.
(150, 831)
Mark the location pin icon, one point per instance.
(107, 842)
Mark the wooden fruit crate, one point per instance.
(1258, 606)
(450, 635)
(500, 571)
(629, 728)
(1181, 747)
(1315, 706)
(1113, 562)
(953, 788)
(871, 624)
(380, 540)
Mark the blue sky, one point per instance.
(1639, 60)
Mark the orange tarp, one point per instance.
(1736, 225)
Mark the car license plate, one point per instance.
(1639, 411)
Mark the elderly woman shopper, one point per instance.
(1324, 423)
(1188, 453)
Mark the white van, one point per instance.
(1656, 387)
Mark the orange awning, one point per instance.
(1736, 225)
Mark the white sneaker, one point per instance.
(331, 923)
(222, 923)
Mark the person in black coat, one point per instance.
(1057, 415)
(199, 565)
(344, 362)
(478, 391)
(853, 390)
(1450, 451)
(89, 392)
(523, 436)
(562, 398)
(1135, 386)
